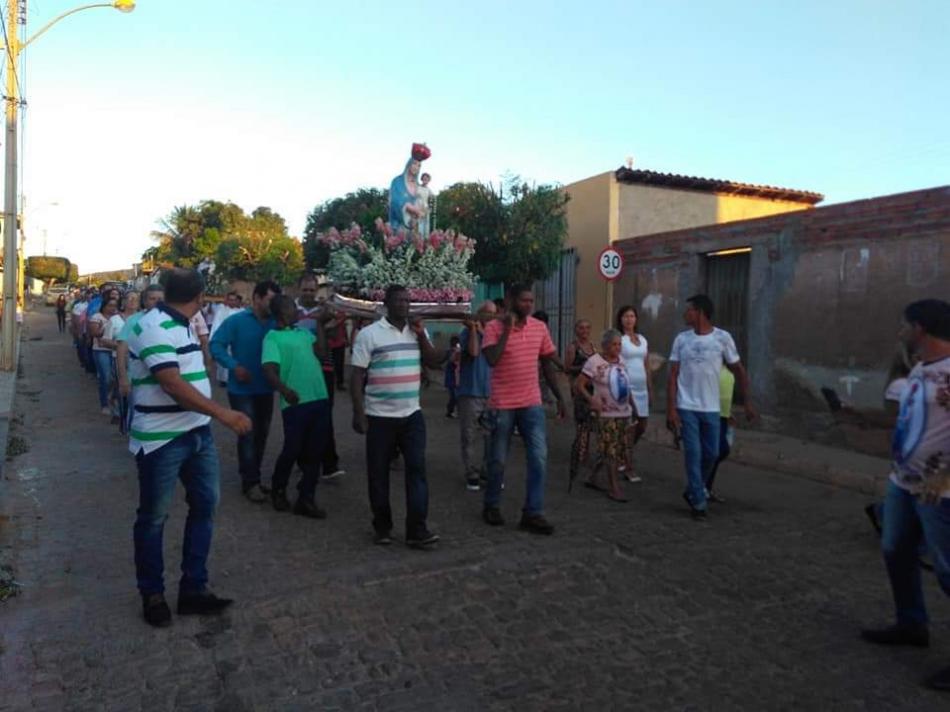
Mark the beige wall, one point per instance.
(588, 230)
(646, 209)
(601, 210)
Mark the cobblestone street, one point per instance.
(626, 607)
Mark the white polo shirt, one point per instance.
(393, 362)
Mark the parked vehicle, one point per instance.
(52, 294)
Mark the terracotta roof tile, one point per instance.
(713, 185)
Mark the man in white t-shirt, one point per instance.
(917, 504)
(232, 305)
(692, 409)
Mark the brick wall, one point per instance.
(827, 288)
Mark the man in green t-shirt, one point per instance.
(727, 386)
(291, 363)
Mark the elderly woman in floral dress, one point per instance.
(611, 402)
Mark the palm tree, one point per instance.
(177, 235)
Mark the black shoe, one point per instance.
(422, 539)
(382, 538)
(698, 515)
(713, 497)
(492, 516)
(940, 680)
(201, 604)
(472, 484)
(309, 508)
(915, 635)
(536, 524)
(156, 611)
(264, 488)
(871, 511)
(279, 499)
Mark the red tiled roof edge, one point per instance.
(919, 211)
(713, 185)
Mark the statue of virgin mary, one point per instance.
(404, 211)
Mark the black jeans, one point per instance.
(305, 436)
(339, 360)
(331, 460)
(409, 434)
(61, 321)
(259, 407)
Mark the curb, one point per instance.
(801, 458)
(8, 381)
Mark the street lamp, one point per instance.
(13, 48)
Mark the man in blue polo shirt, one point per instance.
(237, 346)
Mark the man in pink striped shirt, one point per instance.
(513, 347)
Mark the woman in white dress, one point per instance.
(635, 354)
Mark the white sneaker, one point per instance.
(634, 478)
(106, 411)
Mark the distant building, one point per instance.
(628, 203)
(812, 298)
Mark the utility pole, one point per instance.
(8, 323)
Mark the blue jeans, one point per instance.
(384, 436)
(259, 407)
(700, 433)
(907, 522)
(307, 428)
(193, 459)
(530, 422)
(103, 361)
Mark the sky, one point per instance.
(288, 104)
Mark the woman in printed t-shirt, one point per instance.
(611, 401)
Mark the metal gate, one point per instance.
(727, 284)
(556, 296)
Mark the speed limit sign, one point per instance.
(610, 264)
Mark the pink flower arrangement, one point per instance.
(434, 268)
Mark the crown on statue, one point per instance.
(420, 152)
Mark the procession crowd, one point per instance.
(154, 356)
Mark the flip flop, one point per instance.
(591, 485)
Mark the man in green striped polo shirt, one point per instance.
(171, 439)
(387, 362)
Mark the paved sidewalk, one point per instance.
(625, 607)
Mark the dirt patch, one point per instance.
(8, 585)
(16, 446)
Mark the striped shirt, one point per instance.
(394, 367)
(514, 379)
(162, 339)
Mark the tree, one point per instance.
(49, 269)
(520, 229)
(251, 247)
(361, 207)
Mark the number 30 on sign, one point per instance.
(610, 264)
